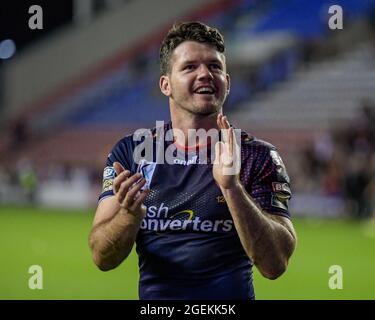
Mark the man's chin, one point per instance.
(206, 109)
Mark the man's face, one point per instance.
(197, 82)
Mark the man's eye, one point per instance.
(189, 67)
(215, 66)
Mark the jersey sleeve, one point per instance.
(270, 186)
(120, 153)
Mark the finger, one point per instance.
(118, 167)
(120, 179)
(225, 135)
(141, 198)
(236, 140)
(222, 121)
(218, 120)
(226, 122)
(222, 131)
(129, 198)
(237, 149)
(124, 187)
(222, 127)
(226, 126)
(218, 150)
(231, 141)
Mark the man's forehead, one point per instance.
(192, 50)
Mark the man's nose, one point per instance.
(204, 73)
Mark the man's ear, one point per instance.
(228, 83)
(164, 85)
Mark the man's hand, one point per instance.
(128, 192)
(227, 163)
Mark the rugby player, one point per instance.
(198, 230)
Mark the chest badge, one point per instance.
(147, 170)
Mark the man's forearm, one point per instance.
(267, 242)
(112, 241)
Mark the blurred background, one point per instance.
(72, 89)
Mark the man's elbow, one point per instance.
(107, 261)
(279, 263)
(103, 264)
(103, 261)
(275, 271)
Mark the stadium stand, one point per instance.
(279, 91)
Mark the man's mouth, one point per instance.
(205, 90)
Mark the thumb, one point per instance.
(118, 167)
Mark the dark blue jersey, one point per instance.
(187, 244)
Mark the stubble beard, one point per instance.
(202, 109)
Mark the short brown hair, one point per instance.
(185, 31)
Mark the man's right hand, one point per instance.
(127, 189)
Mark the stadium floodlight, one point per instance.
(7, 49)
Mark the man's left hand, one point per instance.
(227, 163)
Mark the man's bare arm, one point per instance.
(111, 240)
(269, 240)
(117, 221)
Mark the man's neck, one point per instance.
(189, 125)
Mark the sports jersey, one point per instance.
(187, 244)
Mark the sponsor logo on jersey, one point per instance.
(193, 160)
(159, 220)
